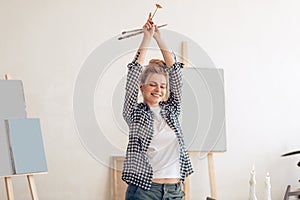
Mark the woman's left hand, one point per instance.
(153, 28)
(149, 27)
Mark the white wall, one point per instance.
(44, 43)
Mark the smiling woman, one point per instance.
(154, 82)
(156, 157)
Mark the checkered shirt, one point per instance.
(137, 169)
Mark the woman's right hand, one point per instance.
(149, 27)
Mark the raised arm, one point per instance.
(174, 71)
(135, 70)
(148, 30)
(166, 53)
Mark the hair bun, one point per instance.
(157, 62)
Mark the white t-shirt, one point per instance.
(163, 151)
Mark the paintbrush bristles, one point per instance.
(157, 6)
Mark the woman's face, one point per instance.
(154, 89)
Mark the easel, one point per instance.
(211, 172)
(30, 178)
(31, 183)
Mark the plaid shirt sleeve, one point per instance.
(132, 88)
(176, 83)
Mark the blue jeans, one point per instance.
(156, 192)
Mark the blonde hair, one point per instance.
(155, 66)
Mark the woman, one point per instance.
(156, 158)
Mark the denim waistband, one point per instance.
(165, 185)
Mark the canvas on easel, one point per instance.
(12, 106)
(21, 144)
(26, 146)
(204, 103)
(203, 109)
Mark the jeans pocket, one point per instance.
(175, 194)
(130, 192)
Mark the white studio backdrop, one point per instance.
(45, 43)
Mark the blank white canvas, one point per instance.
(203, 109)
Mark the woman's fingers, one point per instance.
(150, 19)
(149, 25)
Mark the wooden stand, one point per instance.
(9, 188)
(184, 53)
(31, 183)
(211, 172)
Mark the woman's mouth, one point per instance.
(155, 95)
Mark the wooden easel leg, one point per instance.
(211, 175)
(184, 53)
(32, 187)
(9, 188)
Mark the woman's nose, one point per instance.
(157, 88)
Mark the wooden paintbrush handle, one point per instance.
(130, 35)
(140, 29)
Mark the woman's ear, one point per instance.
(141, 88)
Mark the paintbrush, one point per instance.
(157, 6)
(138, 31)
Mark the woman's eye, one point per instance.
(163, 87)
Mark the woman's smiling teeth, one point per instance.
(155, 94)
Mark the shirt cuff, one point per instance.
(176, 66)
